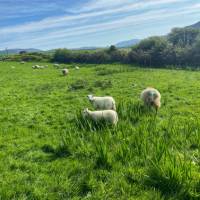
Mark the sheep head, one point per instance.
(90, 97)
(85, 112)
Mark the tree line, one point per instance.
(181, 47)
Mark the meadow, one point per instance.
(48, 151)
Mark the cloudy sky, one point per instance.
(47, 24)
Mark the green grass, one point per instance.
(48, 151)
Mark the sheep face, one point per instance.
(85, 112)
(90, 97)
(152, 96)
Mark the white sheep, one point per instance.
(65, 72)
(22, 62)
(76, 67)
(56, 65)
(151, 97)
(102, 103)
(36, 67)
(109, 116)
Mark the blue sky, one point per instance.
(49, 24)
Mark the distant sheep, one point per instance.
(102, 103)
(109, 116)
(22, 62)
(36, 67)
(65, 72)
(151, 97)
(56, 65)
(76, 67)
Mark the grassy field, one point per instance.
(47, 151)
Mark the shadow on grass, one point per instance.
(171, 178)
(60, 151)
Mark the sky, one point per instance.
(50, 24)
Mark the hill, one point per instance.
(127, 43)
(196, 25)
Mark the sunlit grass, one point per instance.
(49, 151)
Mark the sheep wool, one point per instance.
(151, 97)
(102, 103)
(65, 72)
(109, 116)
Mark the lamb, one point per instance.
(65, 71)
(109, 116)
(151, 97)
(102, 103)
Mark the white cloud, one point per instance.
(116, 15)
(54, 22)
(130, 21)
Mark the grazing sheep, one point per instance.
(22, 62)
(102, 103)
(65, 72)
(109, 116)
(36, 67)
(56, 65)
(151, 97)
(76, 67)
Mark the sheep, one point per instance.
(76, 67)
(109, 116)
(36, 67)
(151, 97)
(102, 103)
(65, 72)
(56, 65)
(22, 62)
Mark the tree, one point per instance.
(183, 36)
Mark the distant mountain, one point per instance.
(16, 51)
(123, 44)
(196, 25)
(87, 48)
(127, 43)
